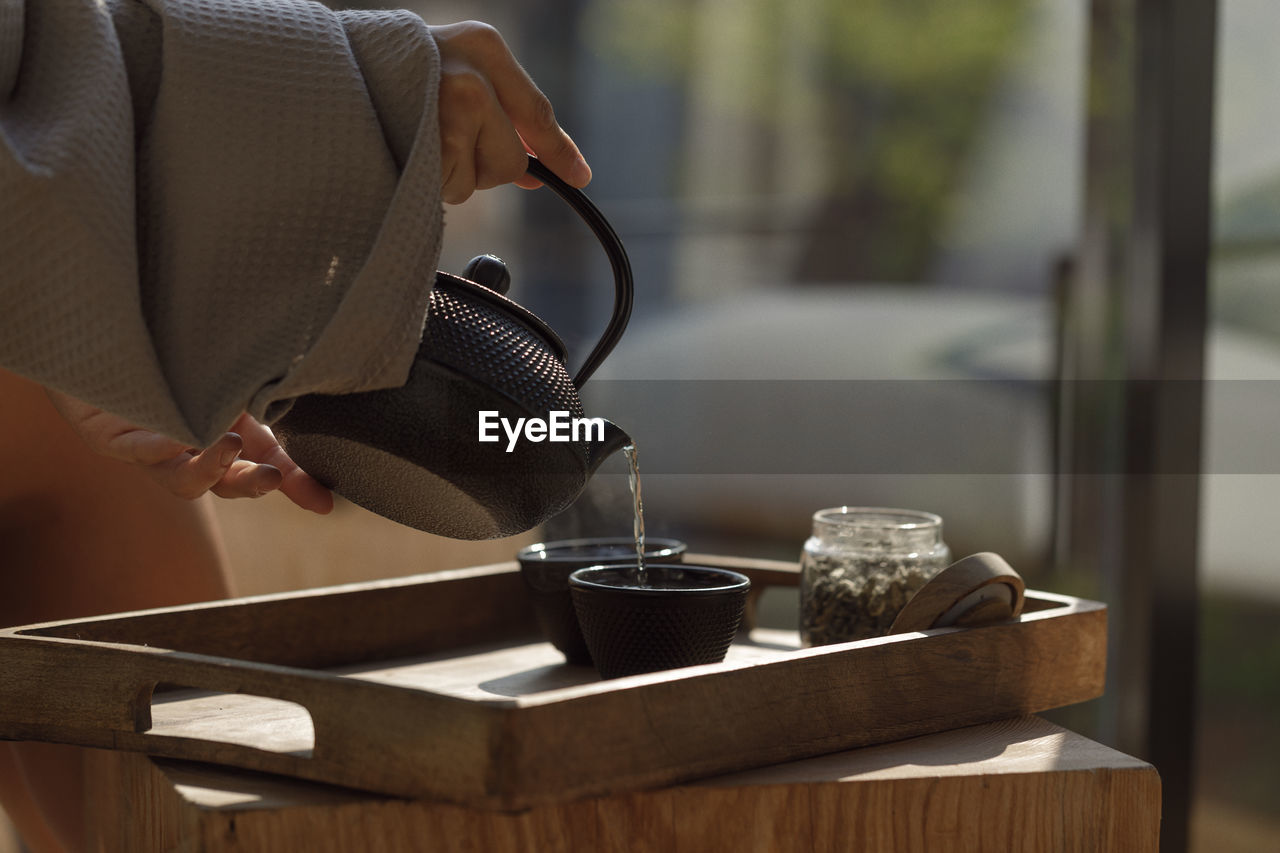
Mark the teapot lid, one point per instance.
(509, 307)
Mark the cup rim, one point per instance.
(736, 582)
(541, 552)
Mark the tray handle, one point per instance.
(97, 695)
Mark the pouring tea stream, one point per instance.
(412, 454)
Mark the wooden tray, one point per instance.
(437, 686)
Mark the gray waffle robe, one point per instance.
(212, 206)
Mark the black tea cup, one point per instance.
(546, 567)
(682, 616)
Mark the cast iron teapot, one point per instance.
(413, 454)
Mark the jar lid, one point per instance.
(980, 589)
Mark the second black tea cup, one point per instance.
(546, 567)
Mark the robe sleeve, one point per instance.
(213, 206)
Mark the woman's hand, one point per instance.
(247, 462)
(492, 116)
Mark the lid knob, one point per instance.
(489, 271)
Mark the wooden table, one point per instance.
(1022, 784)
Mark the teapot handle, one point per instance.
(623, 286)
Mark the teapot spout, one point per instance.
(615, 438)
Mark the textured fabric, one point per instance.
(208, 206)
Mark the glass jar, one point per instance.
(860, 567)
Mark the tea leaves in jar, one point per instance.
(861, 566)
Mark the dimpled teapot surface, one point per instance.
(413, 454)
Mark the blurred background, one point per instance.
(854, 226)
